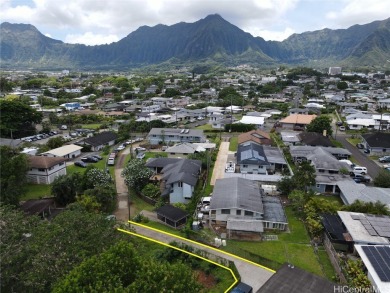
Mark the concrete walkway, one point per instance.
(252, 274)
(220, 163)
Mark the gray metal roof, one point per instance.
(305, 150)
(273, 210)
(237, 193)
(174, 131)
(353, 191)
(185, 148)
(251, 153)
(184, 170)
(274, 155)
(321, 159)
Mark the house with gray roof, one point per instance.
(350, 191)
(178, 177)
(184, 149)
(173, 135)
(378, 142)
(253, 158)
(326, 164)
(240, 205)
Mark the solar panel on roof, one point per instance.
(379, 257)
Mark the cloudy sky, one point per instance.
(94, 22)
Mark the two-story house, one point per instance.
(178, 177)
(43, 170)
(251, 158)
(172, 135)
(239, 205)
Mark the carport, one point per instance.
(172, 216)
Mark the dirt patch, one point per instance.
(207, 281)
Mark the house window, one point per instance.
(245, 166)
(154, 135)
(248, 213)
(170, 135)
(321, 170)
(275, 225)
(51, 168)
(318, 186)
(172, 153)
(41, 170)
(60, 164)
(238, 212)
(225, 211)
(180, 184)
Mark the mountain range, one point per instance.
(211, 39)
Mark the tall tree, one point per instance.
(136, 174)
(17, 119)
(36, 254)
(319, 124)
(122, 269)
(14, 167)
(66, 187)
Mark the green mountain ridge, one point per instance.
(211, 39)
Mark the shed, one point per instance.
(172, 216)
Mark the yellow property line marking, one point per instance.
(189, 253)
(204, 245)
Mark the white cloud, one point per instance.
(275, 35)
(100, 21)
(359, 12)
(90, 38)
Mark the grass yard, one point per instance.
(139, 204)
(354, 141)
(149, 155)
(92, 126)
(233, 144)
(293, 247)
(36, 191)
(205, 127)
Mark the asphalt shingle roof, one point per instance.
(101, 138)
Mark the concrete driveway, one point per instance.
(363, 160)
(220, 163)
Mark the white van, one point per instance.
(360, 170)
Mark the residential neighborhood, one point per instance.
(284, 168)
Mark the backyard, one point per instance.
(292, 247)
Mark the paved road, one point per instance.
(372, 167)
(220, 163)
(252, 274)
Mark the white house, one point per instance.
(179, 177)
(171, 135)
(258, 121)
(43, 170)
(67, 151)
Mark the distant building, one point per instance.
(171, 135)
(334, 70)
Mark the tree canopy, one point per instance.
(382, 179)
(122, 269)
(319, 124)
(14, 167)
(36, 254)
(136, 174)
(17, 119)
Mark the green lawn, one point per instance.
(354, 141)
(92, 126)
(36, 191)
(233, 144)
(139, 204)
(149, 155)
(164, 228)
(293, 247)
(205, 127)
